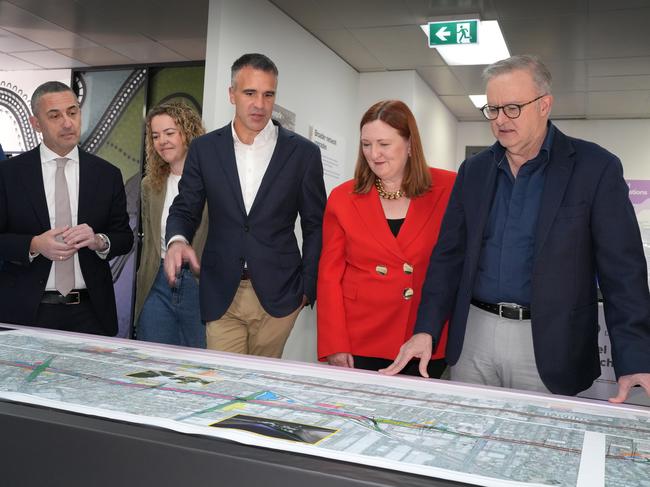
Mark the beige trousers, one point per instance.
(248, 329)
(498, 352)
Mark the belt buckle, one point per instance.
(73, 294)
(511, 306)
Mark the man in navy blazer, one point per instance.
(533, 225)
(257, 177)
(30, 239)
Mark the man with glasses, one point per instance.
(533, 224)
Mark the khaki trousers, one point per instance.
(247, 328)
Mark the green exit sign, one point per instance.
(449, 33)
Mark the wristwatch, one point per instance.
(105, 242)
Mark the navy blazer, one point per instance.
(586, 232)
(265, 238)
(24, 214)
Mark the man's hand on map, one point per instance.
(419, 346)
(626, 382)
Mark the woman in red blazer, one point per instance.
(378, 233)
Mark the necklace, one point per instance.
(387, 195)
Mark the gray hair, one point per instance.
(255, 61)
(540, 73)
(45, 89)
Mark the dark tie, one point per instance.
(63, 269)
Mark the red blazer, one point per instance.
(365, 274)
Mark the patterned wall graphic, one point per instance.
(112, 105)
(16, 88)
(15, 107)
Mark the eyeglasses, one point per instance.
(511, 110)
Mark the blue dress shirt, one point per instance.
(506, 261)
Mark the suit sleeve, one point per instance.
(119, 231)
(311, 205)
(331, 322)
(622, 272)
(14, 247)
(445, 266)
(187, 208)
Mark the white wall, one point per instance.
(314, 83)
(472, 133)
(390, 85)
(436, 123)
(438, 126)
(628, 139)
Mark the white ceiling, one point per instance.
(597, 50)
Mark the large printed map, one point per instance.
(480, 436)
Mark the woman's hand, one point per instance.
(341, 359)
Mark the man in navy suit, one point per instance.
(534, 223)
(31, 239)
(257, 177)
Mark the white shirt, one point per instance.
(48, 164)
(253, 160)
(170, 194)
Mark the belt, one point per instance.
(245, 276)
(73, 297)
(511, 311)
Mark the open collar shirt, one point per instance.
(253, 160)
(506, 260)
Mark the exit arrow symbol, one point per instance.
(443, 33)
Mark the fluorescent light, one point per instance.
(479, 101)
(491, 47)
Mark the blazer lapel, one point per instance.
(484, 204)
(284, 147)
(157, 200)
(558, 173)
(225, 148)
(88, 181)
(32, 177)
(419, 213)
(372, 214)
(476, 224)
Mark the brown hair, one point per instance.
(417, 178)
(190, 126)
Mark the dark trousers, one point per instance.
(435, 368)
(80, 318)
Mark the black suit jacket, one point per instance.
(265, 238)
(586, 232)
(24, 214)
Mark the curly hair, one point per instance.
(190, 125)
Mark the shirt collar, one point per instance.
(48, 154)
(499, 152)
(269, 133)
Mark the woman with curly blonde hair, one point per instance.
(164, 314)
